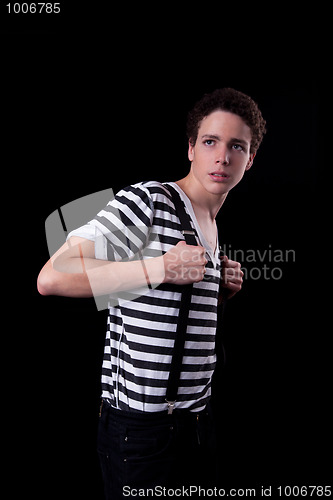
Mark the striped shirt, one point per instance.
(142, 221)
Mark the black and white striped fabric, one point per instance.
(141, 222)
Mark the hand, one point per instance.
(184, 264)
(231, 278)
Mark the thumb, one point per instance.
(224, 260)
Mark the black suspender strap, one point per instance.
(178, 351)
(184, 218)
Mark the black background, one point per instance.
(86, 109)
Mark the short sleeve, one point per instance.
(121, 230)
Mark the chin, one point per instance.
(218, 189)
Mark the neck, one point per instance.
(204, 204)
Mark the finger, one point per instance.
(234, 284)
(232, 273)
(232, 263)
(224, 260)
(200, 256)
(197, 275)
(233, 287)
(202, 250)
(228, 283)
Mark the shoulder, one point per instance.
(147, 192)
(134, 194)
(158, 191)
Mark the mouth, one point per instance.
(219, 176)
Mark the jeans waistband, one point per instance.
(160, 416)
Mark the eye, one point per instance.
(209, 142)
(237, 147)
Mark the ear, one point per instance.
(250, 162)
(190, 151)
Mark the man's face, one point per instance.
(221, 153)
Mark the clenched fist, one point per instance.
(184, 264)
(231, 278)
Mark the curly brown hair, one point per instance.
(232, 100)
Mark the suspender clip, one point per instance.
(171, 406)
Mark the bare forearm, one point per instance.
(73, 270)
(112, 277)
(87, 277)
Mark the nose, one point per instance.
(223, 156)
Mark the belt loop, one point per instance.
(100, 408)
(104, 413)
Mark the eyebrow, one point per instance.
(218, 138)
(211, 136)
(241, 141)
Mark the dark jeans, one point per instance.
(148, 450)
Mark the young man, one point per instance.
(135, 245)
